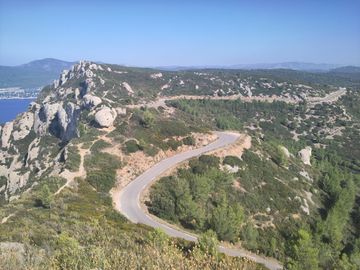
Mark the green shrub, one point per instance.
(131, 146)
(73, 160)
(232, 161)
(99, 145)
(189, 140)
(102, 180)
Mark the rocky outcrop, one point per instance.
(305, 155)
(44, 115)
(90, 101)
(156, 75)
(64, 125)
(23, 126)
(105, 117)
(128, 88)
(6, 133)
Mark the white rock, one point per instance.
(23, 126)
(128, 88)
(91, 101)
(105, 117)
(285, 150)
(67, 120)
(56, 83)
(50, 110)
(121, 111)
(6, 133)
(231, 169)
(89, 73)
(156, 75)
(305, 155)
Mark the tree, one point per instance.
(227, 220)
(249, 235)
(304, 254)
(46, 197)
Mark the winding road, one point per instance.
(130, 196)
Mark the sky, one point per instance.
(184, 33)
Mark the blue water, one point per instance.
(10, 108)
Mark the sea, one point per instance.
(10, 108)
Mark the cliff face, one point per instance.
(32, 144)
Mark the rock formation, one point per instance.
(105, 117)
(305, 155)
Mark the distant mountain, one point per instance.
(290, 65)
(352, 73)
(32, 75)
(346, 69)
(302, 66)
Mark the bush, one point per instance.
(232, 161)
(72, 162)
(101, 171)
(132, 146)
(208, 243)
(99, 145)
(173, 144)
(102, 180)
(45, 197)
(189, 140)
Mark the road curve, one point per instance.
(131, 208)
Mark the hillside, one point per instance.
(292, 193)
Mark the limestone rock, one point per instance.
(91, 101)
(121, 111)
(66, 126)
(128, 88)
(6, 133)
(23, 126)
(44, 116)
(105, 117)
(285, 151)
(305, 155)
(156, 75)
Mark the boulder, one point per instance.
(105, 117)
(91, 101)
(305, 155)
(128, 88)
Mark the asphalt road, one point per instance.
(131, 208)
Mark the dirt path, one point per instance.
(70, 176)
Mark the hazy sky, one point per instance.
(184, 32)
